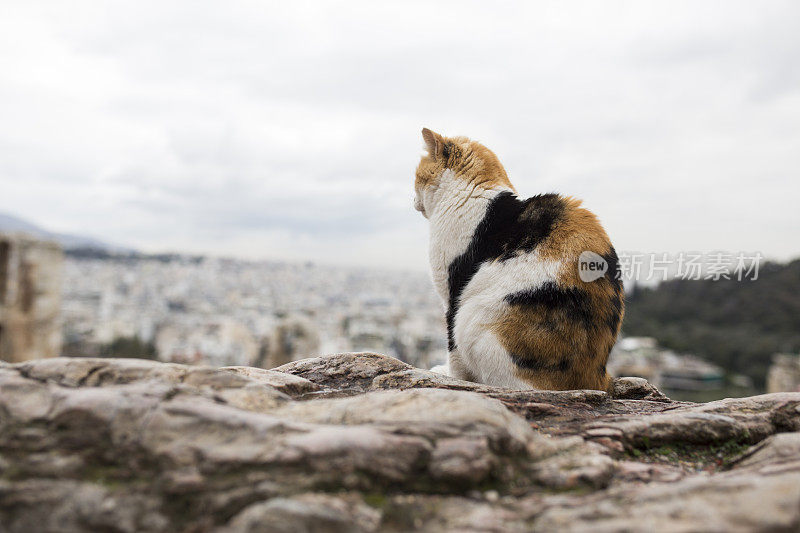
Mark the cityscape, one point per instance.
(222, 312)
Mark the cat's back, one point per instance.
(531, 297)
(532, 241)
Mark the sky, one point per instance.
(291, 130)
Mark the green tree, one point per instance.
(738, 325)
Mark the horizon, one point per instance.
(122, 250)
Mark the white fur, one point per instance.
(482, 304)
(455, 209)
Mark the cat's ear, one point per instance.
(435, 143)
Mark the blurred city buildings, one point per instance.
(230, 312)
(30, 298)
(667, 370)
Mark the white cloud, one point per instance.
(291, 130)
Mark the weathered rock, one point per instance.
(423, 411)
(346, 372)
(778, 452)
(307, 512)
(630, 388)
(363, 442)
(742, 420)
(294, 386)
(718, 503)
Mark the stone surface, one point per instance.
(364, 442)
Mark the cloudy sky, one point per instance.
(291, 129)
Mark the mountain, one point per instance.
(10, 223)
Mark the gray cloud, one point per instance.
(291, 130)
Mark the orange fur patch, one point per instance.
(469, 160)
(547, 335)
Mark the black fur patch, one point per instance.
(535, 224)
(573, 301)
(613, 274)
(614, 277)
(486, 243)
(615, 313)
(537, 365)
(510, 226)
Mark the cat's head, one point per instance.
(468, 161)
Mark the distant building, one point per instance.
(784, 374)
(217, 342)
(641, 356)
(295, 337)
(30, 298)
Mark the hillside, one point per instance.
(12, 224)
(735, 324)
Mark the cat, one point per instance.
(507, 269)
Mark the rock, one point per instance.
(68, 505)
(309, 512)
(294, 386)
(424, 411)
(347, 372)
(717, 503)
(636, 389)
(364, 442)
(94, 372)
(781, 451)
(742, 420)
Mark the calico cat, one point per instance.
(518, 313)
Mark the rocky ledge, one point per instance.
(363, 442)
